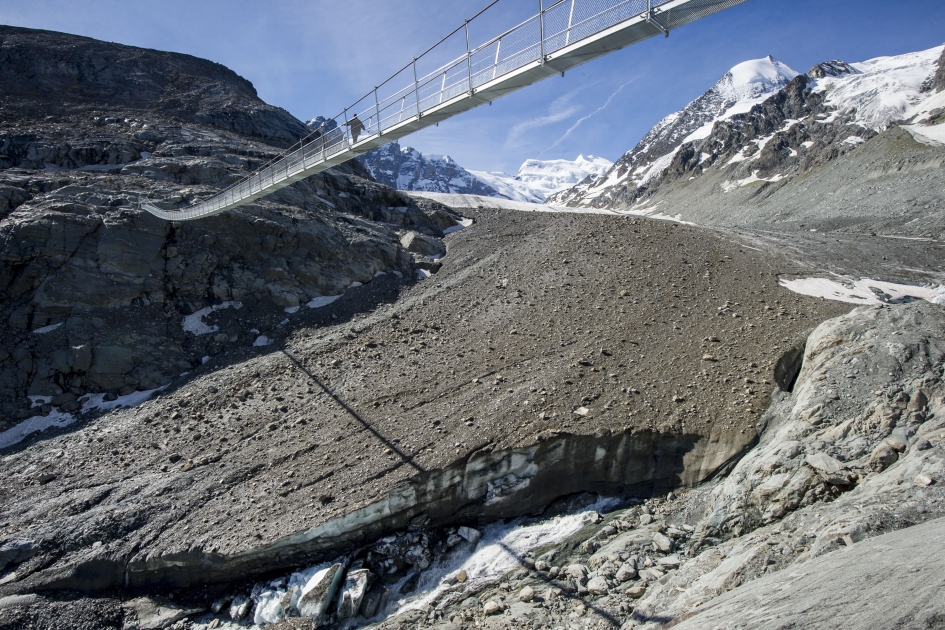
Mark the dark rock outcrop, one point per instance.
(44, 73)
(90, 129)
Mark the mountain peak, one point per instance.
(755, 77)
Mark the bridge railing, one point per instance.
(411, 91)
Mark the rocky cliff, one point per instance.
(94, 291)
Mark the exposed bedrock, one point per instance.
(486, 486)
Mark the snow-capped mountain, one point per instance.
(742, 87)
(405, 168)
(763, 124)
(537, 179)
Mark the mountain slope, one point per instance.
(822, 152)
(742, 87)
(538, 179)
(405, 168)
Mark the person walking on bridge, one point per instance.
(356, 128)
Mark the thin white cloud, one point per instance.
(580, 120)
(560, 109)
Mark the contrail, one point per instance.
(583, 118)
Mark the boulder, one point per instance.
(156, 613)
(352, 592)
(830, 470)
(469, 534)
(883, 457)
(319, 591)
(417, 243)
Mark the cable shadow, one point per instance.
(407, 459)
(565, 589)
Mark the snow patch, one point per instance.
(462, 223)
(193, 323)
(888, 88)
(865, 291)
(423, 274)
(46, 329)
(536, 180)
(729, 186)
(322, 300)
(59, 419)
(931, 135)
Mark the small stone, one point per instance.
(551, 594)
(46, 478)
(883, 457)
(492, 607)
(582, 411)
(923, 445)
(646, 519)
(469, 534)
(527, 594)
(670, 562)
(636, 592)
(662, 542)
(625, 573)
(576, 571)
(597, 586)
(461, 576)
(708, 357)
(923, 481)
(541, 565)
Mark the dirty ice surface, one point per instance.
(478, 201)
(58, 419)
(865, 291)
(194, 323)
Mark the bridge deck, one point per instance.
(561, 36)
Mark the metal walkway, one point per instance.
(557, 38)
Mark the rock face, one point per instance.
(44, 74)
(838, 590)
(107, 287)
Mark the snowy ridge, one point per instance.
(884, 90)
(739, 128)
(740, 89)
(538, 179)
(405, 168)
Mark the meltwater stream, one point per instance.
(499, 550)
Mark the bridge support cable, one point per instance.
(426, 91)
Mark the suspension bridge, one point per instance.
(560, 36)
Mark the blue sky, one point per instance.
(314, 57)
